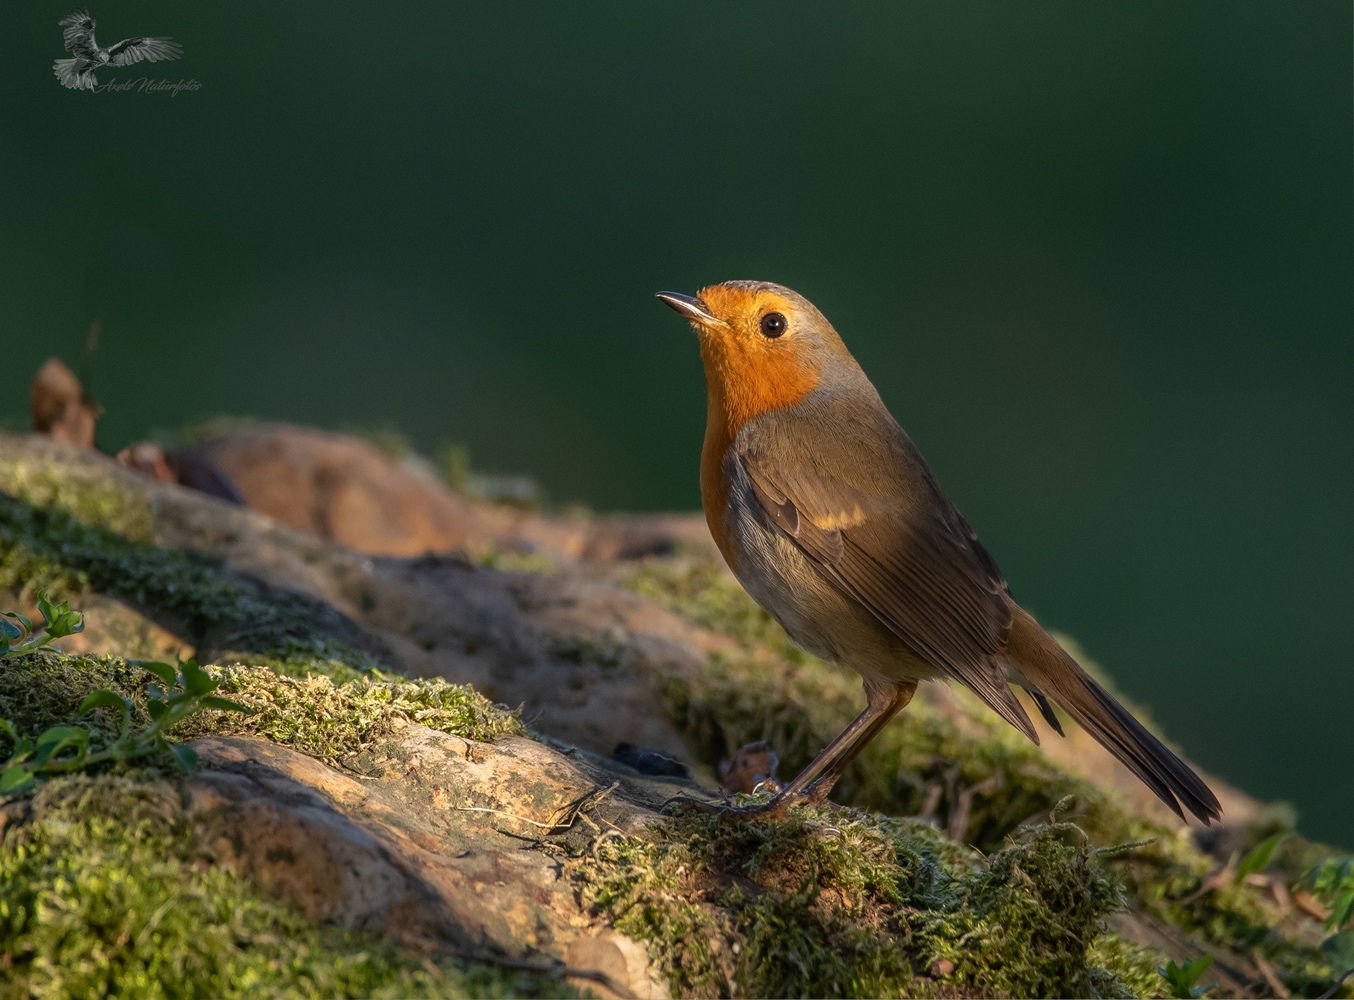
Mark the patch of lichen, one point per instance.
(837, 903)
(313, 714)
(104, 891)
(944, 745)
(51, 548)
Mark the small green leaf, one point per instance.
(102, 699)
(1341, 909)
(157, 709)
(107, 699)
(45, 607)
(1183, 978)
(225, 705)
(67, 623)
(1259, 856)
(196, 681)
(163, 671)
(1333, 882)
(9, 630)
(16, 779)
(1339, 951)
(52, 742)
(184, 756)
(23, 746)
(63, 734)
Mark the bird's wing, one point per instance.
(79, 34)
(909, 557)
(74, 73)
(133, 50)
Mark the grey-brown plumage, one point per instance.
(830, 518)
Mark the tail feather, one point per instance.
(1037, 657)
(73, 74)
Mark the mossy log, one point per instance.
(381, 822)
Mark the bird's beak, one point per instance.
(690, 307)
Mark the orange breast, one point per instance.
(745, 376)
(714, 484)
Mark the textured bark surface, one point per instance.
(421, 838)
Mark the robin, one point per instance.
(829, 517)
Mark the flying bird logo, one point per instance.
(77, 73)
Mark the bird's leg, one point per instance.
(815, 782)
(890, 702)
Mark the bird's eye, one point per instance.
(773, 325)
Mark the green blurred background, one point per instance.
(1096, 258)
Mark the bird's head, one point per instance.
(764, 346)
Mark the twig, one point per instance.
(931, 803)
(1336, 988)
(565, 814)
(500, 812)
(963, 807)
(1270, 975)
(587, 801)
(1218, 879)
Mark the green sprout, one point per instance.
(59, 749)
(1332, 882)
(1183, 977)
(1259, 856)
(18, 635)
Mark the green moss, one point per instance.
(331, 721)
(103, 893)
(1133, 966)
(312, 714)
(82, 492)
(835, 903)
(51, 548)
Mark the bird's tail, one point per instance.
(1037, 657)
(68, 72)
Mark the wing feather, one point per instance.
(133, 50)
(922, 573)
(79, 34)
